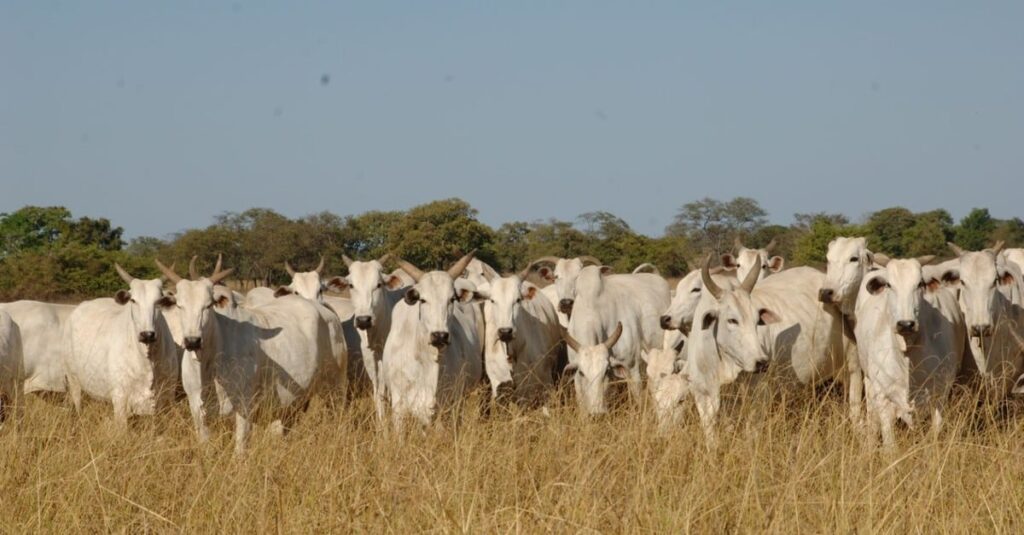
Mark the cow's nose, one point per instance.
(981, 330)
(364, 322)
(147, 337)
(439, 339)
(761, 366)
(505, 334)
(826, 295)
(666, 322)
(505, 391)
(193, 343)
(565, 306)
(906, 326)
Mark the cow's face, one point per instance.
(435, 295)
(979, 278)
(748, 259)
(145, 299)
(902, 284)
(1015, 256)
(195, 300)
(506, 296)
(679, 315)
(734, 321)
(848, 261)
(366, 283)
(564, 276)
(595, 368)
(308, 285)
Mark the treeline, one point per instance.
(46, 253)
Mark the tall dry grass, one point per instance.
(783, 465)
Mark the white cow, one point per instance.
(601, 302)
(911, 335)
(434, 353)
(245, 354)
(551, 293)
(994, 324)
(724, 341)
(679, 315)
(373, 294)
(11, 376)
(1015, 256)
(522, 339)
(563, 276)
(334, 311)
(664, 380)
(121, 350)
(849, 260)
(41, 327)
(747, 259)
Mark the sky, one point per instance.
(160, 115)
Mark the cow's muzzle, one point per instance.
(762, 366)
(981, 330)
(565, 306)
(147, 337)
(505, 334)
(827, 295)
(364, 322)
(440, 339)
(193, 343)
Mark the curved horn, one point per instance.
(221, 275)
(709, 284)
(544, 260)
(737, 243)
(320, 266)
(955, 248)
(125, 276)
(751, 279)
(998, 247)
(220, 260)
(589, 261)
(384, 258)
(456, 270)
(610, 342)
(288, 267)
(771, 245)
(412, 270)
(569, 340)
(882, 259)
(167, 271)
(348, 261)
(192, 273)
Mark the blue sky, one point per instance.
(160, 115)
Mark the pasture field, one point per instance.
(783, 466)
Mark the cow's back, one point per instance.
(41, 327)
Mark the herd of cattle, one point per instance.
(899, 333)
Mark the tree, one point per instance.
(975, 230)
(435, 234)
(32, 227)
(929, 234)
(812, 245)
(711, 225)
(886, 229)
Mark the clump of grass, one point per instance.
(785, 461)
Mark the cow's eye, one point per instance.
(695, 290)
(520, 300)
(380, 284)
(854, 259)
(733, 321)
(921, 284)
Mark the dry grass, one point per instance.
(781, 465)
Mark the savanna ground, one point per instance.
(782, 466)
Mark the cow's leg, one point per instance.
(120, 402)
(936, 421)
(192, 381)
(707, 407)
(75, 393)
(242, 427)
(886, 418)
(855, 385)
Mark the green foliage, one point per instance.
(975, 230)
(812, 245)
(433, 235)
(711, 225)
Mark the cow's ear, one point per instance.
(933, 285)
(776, 264)
(221, 302)
(528, 291)
(1005, 278)
(412, 296)
(337, 284)
(876, 285)
(122, 297)
(728, 261)
(766, 317)
(951, 276)
(607, 270)
(619, 371)
(167, 301)
(546, 273)
(282, 291)
(393, 282)
(708, 320)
